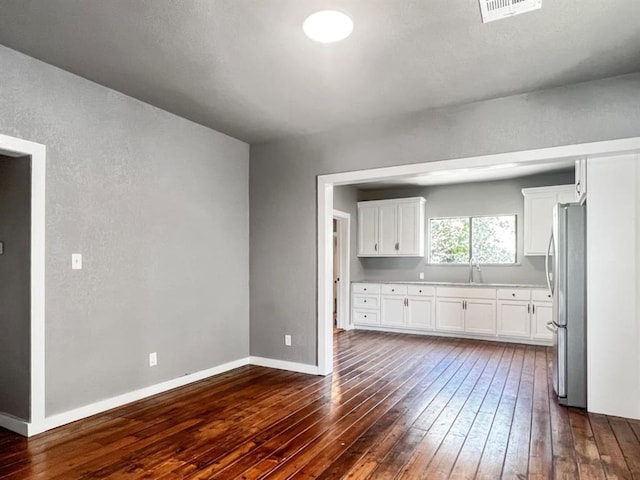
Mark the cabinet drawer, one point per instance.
(368, 288)
(541, 296)
(393, 289)
(466, 292)
(421, 290)
(366, 301)
(365, 317)
(514, 294)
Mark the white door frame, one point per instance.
(325, 209)
(17, 147)
(344, 243)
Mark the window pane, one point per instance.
(494, 239)
(449, 240)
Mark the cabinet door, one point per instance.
(409, 231)
(514, 319)
(367, 231)
(420, 312)
(449, 315)
(480, 316)
(393, 311)
(581, 180)
(538, 217)
(543, 313)
(387, 230)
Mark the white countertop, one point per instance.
(454, 284)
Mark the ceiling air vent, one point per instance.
(497, 9)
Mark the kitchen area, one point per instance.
(489, 255)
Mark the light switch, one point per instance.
(76, 261)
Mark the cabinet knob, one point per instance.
(420, 291)
(365, 289)
(393, 289)
(513, 294)
(365, 316)
(365, 301)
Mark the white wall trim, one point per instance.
(38, 153)
(325, 265)
(344, 250)
(325, 207)
(284, 365)
(541, 155)
(109, 403)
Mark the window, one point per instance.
(486, 239)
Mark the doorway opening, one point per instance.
(341, 228)
(29, 418)
(486, 164)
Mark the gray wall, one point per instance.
(158, 206)
(345, 198)
(15, 283)
(283, 182)
(482, 198)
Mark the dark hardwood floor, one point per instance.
(397, 406)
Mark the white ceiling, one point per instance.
(244, 67)
(469, 175)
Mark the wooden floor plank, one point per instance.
(565, 465)
(495, 449)
(396, 406)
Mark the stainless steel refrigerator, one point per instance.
(566, 279)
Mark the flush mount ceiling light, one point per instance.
(328, 26)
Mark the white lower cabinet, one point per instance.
(365, 304)
(393, 311)
(514, 319)
(450, 314)
(420, 312)
(480, 316)
(524, 313)
(476, 316)
(407, 306)
(517, 314)
(542, 314)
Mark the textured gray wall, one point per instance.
(158, 206)
(482, 198)
(15, 284)
(283, 182)
(345, 198)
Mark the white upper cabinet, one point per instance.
(367, 231)
(538, 215)
(391, 228)
(387, 230)
(581, 180)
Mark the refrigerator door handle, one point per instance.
(546, 264)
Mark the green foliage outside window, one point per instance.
(488, 239)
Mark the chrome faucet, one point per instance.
(472, 262)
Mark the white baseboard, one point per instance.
(433, 333)
(102, 406)
(14, 424)
(30, 429)
(284, 365)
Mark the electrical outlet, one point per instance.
(287, 340)
(153, 359)
(76, 261)
(421, 275)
